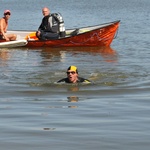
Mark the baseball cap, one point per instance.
(7, 11)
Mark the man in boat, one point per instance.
(73, 77)
(49, 28)
(4, 26)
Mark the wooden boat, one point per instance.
(99, 35)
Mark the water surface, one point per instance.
(111, 113)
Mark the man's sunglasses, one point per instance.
(72, 72)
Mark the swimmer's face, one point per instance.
(72, 76)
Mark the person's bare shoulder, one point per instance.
(2, 20)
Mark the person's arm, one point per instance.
(38, 33)
(64, 80)
(2, 30)
(82, 80)
(40, 27)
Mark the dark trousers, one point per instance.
(48, 35)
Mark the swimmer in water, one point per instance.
(73, 76)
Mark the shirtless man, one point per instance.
(4, 26)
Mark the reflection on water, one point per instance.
(73, 99)
(4, 56)
(108, 53)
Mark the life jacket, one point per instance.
(58, 17)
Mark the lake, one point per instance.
(112, 113)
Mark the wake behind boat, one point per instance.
(99, 35)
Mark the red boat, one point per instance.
(99, 35)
